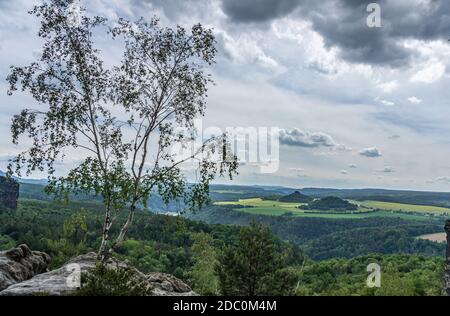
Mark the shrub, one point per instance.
(105, 281)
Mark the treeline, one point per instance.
(400, 275)
(361, 241)
(156, 242)
(330, 203)
(326, 238)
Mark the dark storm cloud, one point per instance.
(345, 26)
(258, 10)
(342, 23)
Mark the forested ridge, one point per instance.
(186, 249)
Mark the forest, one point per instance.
(186, 248)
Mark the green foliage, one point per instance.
(159, 86)
(6, 242)
(201, 275)
(145, 255)
(357, 242)
(75, 228)
(72, 241)
(248, 267)
(175, 245)
(295, 197)
(157, 242)
(400, 275)
(106, 281)
(326, 238)
(330, 203)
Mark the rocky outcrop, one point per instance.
(447, 260)
(9, 193)
(167, 285)
(20, 264)
(65, 280)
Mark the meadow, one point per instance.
(366, 209)
(392, 206)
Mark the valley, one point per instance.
(329, 240)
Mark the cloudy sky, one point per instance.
(357, 106)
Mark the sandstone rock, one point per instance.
(65, 280)
(9, 193)
(168, 285)
(20, 264)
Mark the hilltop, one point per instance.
(296, 197)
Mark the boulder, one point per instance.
(65, 280)
(20, 264)
(167, 285)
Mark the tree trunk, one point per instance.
(124, 230)
(102, 252)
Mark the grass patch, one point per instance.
(258, 206)
(392, 206)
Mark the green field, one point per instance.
(227, 192)
(259, 206)
(390, 206)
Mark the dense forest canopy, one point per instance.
(330, 203)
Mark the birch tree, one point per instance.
(124, 120)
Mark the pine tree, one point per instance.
(250, 267)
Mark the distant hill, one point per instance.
(400, 196)
(42, 182)
(33, 188)
(330, 203)
(296, 197)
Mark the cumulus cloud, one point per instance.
(445, 179)
(299, 138)
(387, 102)
(370, 152)
(414, 100)
(245, 50)
(430, 73)
(389, 86)
(341, 24)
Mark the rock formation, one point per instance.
(167, 285)
(63, 281)
(9, 193)
(447, 260)
(20, 264)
